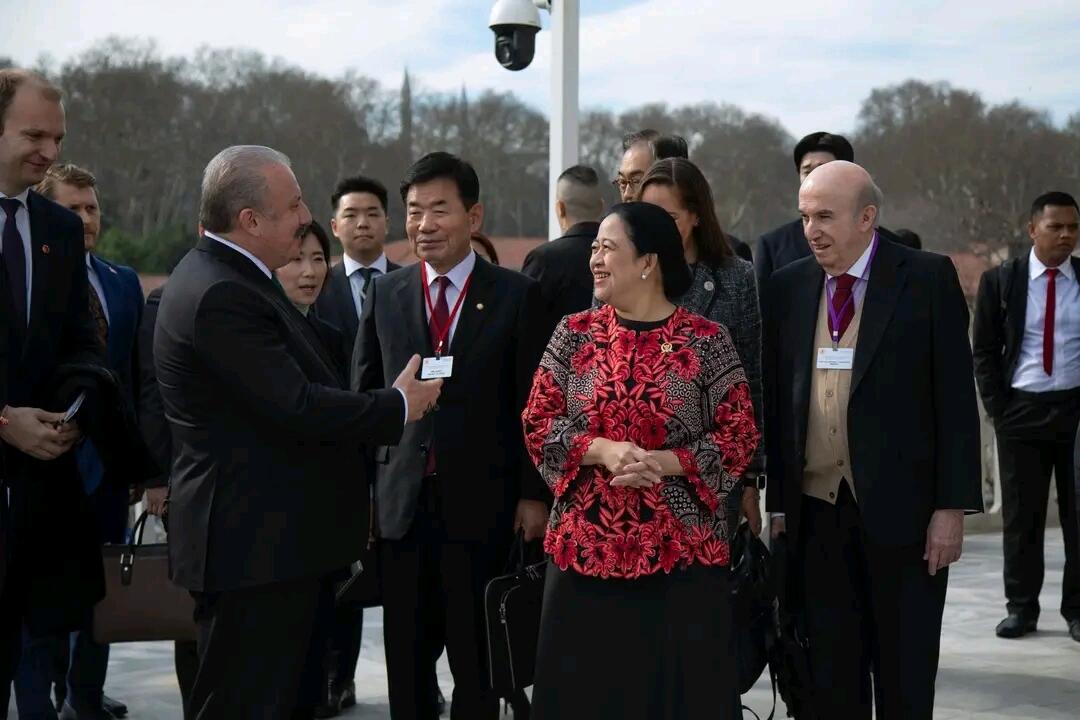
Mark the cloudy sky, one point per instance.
(807, 63)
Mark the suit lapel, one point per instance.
(1016, 304)
(410, 299)
(474, 308)
(346, 303)
(882, 291)
(804, 306)
(41, 267)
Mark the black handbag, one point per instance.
(363, 588)
(141, 603)
(512, 605)
(753, 600)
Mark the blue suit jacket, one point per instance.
(124, 303)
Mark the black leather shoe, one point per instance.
(117, 708)
(1074, 629)
(440, 701)
(338, 698)
(68, 713)
(1015, 626)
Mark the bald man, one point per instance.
(873, 449)
(562, 265)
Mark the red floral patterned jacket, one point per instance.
(679, 387)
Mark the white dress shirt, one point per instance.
(1030, 375)
(258, 263)
(458, 275)
(356, 281)
(22, 222)
(95, 284)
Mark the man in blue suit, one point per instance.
(116, 303)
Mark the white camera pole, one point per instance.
(565, 124)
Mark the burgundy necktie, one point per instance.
(14, 259)
(1048, 327)
(97, 314)
(843, 304)
(437, 325)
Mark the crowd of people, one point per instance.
(624, 400)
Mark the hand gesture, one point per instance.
(39, 434)
(421, 395)
(632, 466)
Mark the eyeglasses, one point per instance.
(622, 184)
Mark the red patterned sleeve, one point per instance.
(719, 456)
(556, 441)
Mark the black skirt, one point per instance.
(655, 648)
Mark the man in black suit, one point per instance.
(360, 223)
(1027, 361)
(450, 496)
(640, 150)
(873, 448)
(562, 265)
(48, 585)
(268, 474)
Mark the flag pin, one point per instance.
(45, 249)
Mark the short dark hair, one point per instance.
(1056, 198)
(11, 79)
(836, 145)
(582, 175)
(713, 247)
(489, 247)
(314, 228)
(437, 165)
(670, 146)
(631, 139)
(909, 238)
(359, 184)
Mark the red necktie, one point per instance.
(1048, 327)
(437, 325)
(843, 303)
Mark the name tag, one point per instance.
(839, 359)
(436, 368)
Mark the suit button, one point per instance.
(423, 448)
(828, 393)
(832, 431)
(839, 463)
(832, 495)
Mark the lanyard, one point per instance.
(441, 333)
(834, 314)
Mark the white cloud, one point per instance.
(808, 64)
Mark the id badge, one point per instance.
(436, 368)
(835, 359)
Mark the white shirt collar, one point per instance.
(861, 267)
(227, 243)
(458, 274)
(21, 197)
(352, 266)
(1036, 268)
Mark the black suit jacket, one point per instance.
(476, 430)
(913, 424)
(562, 269)
(267, 481)
(151, 411)
(48, 508)
(1000, 319)
(335, 305)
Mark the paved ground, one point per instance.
(981, 677)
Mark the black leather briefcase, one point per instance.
(512, 607)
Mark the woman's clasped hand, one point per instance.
(629, 465)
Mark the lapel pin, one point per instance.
(709, 285)
(665, 347)
(45, 249)
(479, 306)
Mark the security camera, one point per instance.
(515, 24)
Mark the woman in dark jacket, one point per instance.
(723, 290)
(640, 421)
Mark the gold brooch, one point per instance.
(665, 348)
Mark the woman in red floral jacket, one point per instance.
(640, 421)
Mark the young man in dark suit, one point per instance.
(48, 584)
(873, 449)
(452, 493)
(360, 223)
(562, 265)
(116, 303)
(268, 471)
(1027, 362)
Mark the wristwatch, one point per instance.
(755, 480)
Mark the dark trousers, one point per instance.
(346, 636)
(426, 578)
(186, 660)
(1035, 439)
(252, 647)
(85, 664)
(870, 610)
(12, 608)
